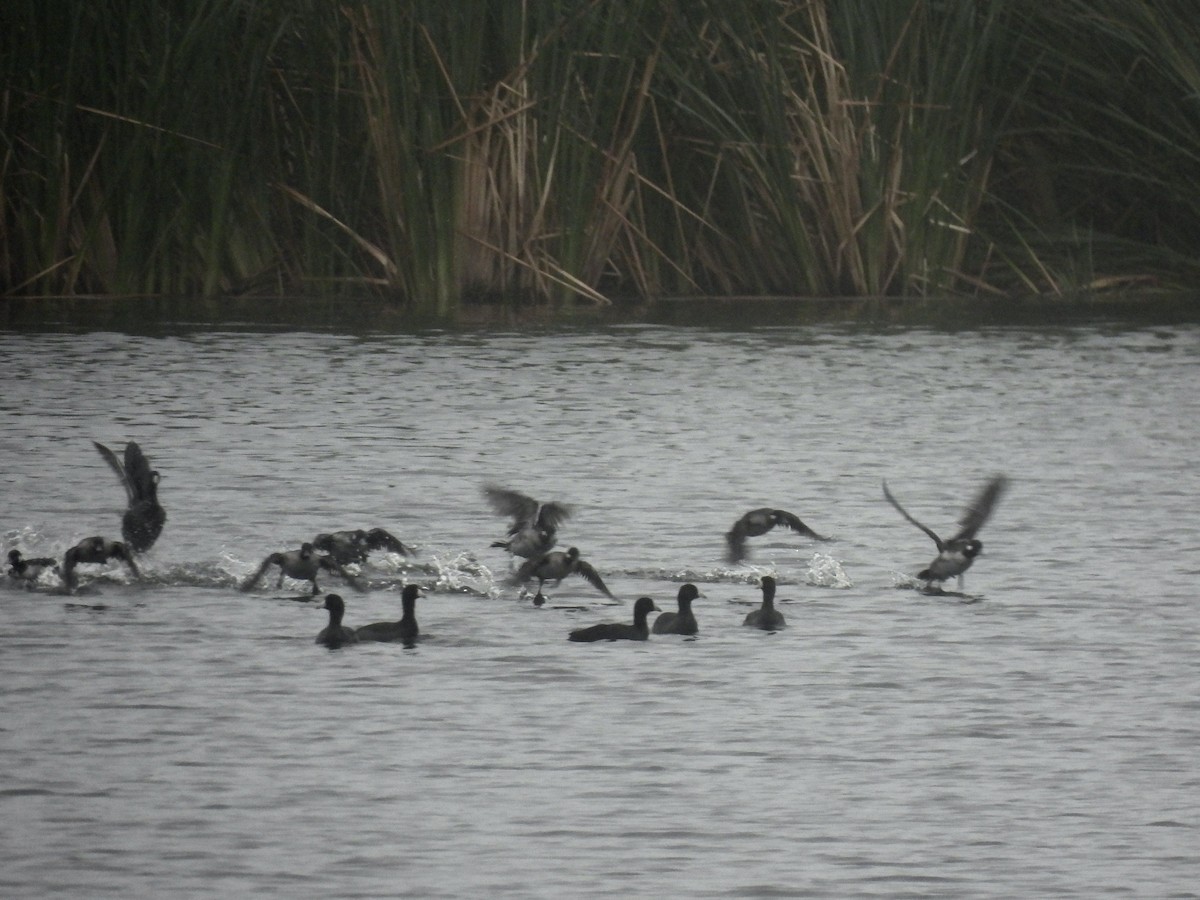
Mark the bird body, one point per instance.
(957, 554)
(335, 634)
(758, 522)
(555, 566)
(29, 570)
(766, 617)
(144, 517)
(619, 631)
(683, 621)
(304, 564)
(405, 631)
(347, 547)
(96, 550)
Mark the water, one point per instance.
(1034, 737)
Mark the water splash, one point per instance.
(464, 573)
(825, 571)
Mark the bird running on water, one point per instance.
(758, 522)
(534, 528)
(555, 566)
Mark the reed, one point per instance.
(431, 151)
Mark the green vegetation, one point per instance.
(432, 152)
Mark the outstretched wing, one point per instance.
(378, 539)
(510, 503)
(981, 508)
(250, 582)
(139, 475)
(892, 500)
(551, 515)
(793, 522)
(735, 542)
(332, 565)
(115, 465)
(593, 578)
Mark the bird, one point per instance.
(354, 546)
(956, 554)
(97, 550)
(29, 570)
(404, 631)
(766, 617)
(534, 528)
(144, 518)
(335, 634)
(555, 566)
(619, 631)
(684, 621)
(303, 564)
(760, 521)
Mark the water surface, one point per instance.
(1034, 737)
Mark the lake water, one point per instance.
(1036, 736)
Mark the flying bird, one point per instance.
(956, 554)
(144, 518)
(760, 521)
(355, 546)
(534, 528)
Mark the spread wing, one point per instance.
(271, 560)
(892, 500)
(115, 465)
(735, 541)
(793, 522)
(332, 565)
(593, 578)
(378, 539)
(981, 508)
(510, 503)
(138, 472)
(553, 514)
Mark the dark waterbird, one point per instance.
(956, 554)
(405, 631)
(304, 564)
(144, 518)
(29, 570)
(555, 566)
(534, 528)
(355, 546)
(683, 621)
(335, 634)
(766, 617)
(758, 522)
(96, 550)
(618, 631)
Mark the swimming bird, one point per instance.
(956, 555)
(29, 570)
(144, 518)
(303, 564)
(335, 634)
(354, 546)
(684, 621)
(766, 617)
(404, 631)
(555, 566)
(96, 550)
(760, 521)
(618, 631)
(534, 528)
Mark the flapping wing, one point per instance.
(981, 508)
(378, 539)
(510, 503)
(892, 500)
(735, 542)
(332, 565)
(115, 465)
(250, 582)
(793, 522)
(551, 515)
(593, 578)
(138, 473)
(525, 572)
